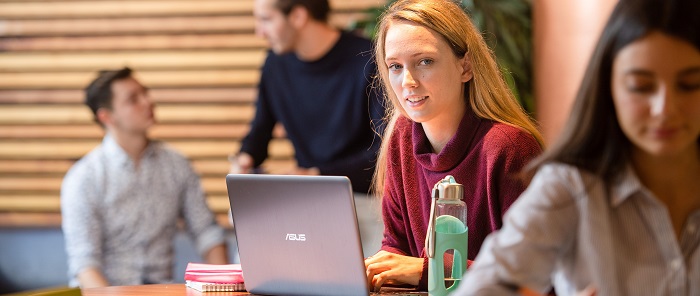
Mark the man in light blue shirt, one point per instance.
(121, 202)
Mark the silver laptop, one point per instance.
(297, 235)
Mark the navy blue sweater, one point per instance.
(327, 107)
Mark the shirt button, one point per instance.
(676, 264)
(691, 228)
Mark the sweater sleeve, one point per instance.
(509, 151)
(395, 207)
(395, 236)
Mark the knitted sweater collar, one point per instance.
(455, 150)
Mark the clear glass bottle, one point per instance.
(447, 232)
(451, 203)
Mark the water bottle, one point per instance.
(447, 234)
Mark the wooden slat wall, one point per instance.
(200, 59)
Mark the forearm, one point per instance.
(217, 255)
(91, 277)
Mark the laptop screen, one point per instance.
(297, 235)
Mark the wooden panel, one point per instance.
(80, 114)
(122, 26)
(216, 166)
(45, 149)
(211, 185)
(76, 9)
(199, 58)
(134, 42)
(221, 166)
(29, 220)
(33, 184)
(33, 166)
(172, 95)
(191, 78)
(51, 203)
(160, 131)
(53, 219)
(143, 61)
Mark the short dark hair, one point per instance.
(98, 94)
(592, 138)
(318, 9)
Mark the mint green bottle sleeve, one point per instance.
(447, 234)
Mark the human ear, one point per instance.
(466, 65)
(104, 116)
(298, 16)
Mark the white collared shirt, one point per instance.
(122, 219)
(567, 230)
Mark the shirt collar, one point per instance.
(626, 186)
(118, 156)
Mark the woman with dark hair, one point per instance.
(615, 203)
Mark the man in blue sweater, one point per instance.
(316, 83)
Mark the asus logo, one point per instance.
(296, 237)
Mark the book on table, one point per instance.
(214, 277)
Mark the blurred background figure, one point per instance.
(615, 203)
(316, 83)
(121, 202)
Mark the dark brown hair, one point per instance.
(318, 9)
(98, 94)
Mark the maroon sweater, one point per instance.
(484, 156)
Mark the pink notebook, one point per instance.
(214, 273)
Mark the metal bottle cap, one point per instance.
(451, 190)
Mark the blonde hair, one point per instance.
(488, 94)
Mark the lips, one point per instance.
(665, 132)
(416, 99)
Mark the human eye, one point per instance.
(640, 84)
(690, 81)
(689, 86)
(425, 62)
(133, 99)
(394, 67)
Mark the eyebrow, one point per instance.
(391, 58)
(639, 72)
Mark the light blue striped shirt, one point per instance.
(566, 230)
(122, 219)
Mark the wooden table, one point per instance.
(146, 290)
(181, 290)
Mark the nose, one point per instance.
(259, 32)
(664, 103)
(408, 80)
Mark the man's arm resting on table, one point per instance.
(217, 255)
(91, 277)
